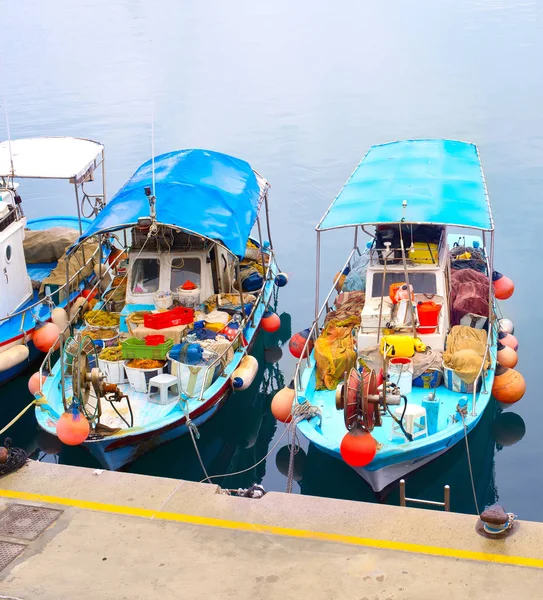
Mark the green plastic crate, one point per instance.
(135, 348)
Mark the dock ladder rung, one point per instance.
(446, 504)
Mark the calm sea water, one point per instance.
(300, 90)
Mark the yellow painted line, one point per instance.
(520, 561)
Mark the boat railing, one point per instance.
(314, 331)
(238, 339)
(49, 297)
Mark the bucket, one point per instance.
(113, 370)
(163, 300)
(139, 378)
(192, 378)
(428, 313)
(400, 372)
(189, 298)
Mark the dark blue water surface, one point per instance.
(300, 90)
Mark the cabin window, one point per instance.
(423, 283)
(8, 253)
(185, 269)
(145, 275)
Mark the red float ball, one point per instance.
(509, 385)
(72, 428)
(281, 405)
(358, 447)
(270, 322)
(508, 339)
(34, 383)
(503, 286)
(507, 357)
(45, 337)
(297, 343)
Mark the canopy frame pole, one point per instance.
(261, 248)
(317, 275)
(103, 176)
(266, 206)
(238, 277)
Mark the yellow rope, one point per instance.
(15, 419)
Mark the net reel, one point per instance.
(364, 398)
(90, 385)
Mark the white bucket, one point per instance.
(189, 298)
(163, 300)
(139, 378)
(400, 373)
(113, 370)
(193, 378)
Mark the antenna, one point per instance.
(9, 139)
(153, 142)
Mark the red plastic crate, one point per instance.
(169, 318)
(154, 340)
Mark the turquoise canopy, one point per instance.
(208, 193)
(441, 180)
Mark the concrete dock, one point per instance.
(106, 535)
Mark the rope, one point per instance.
(469, 462)
(15, 419)
(300, 412)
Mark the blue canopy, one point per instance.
(204, 192)
(441, 180)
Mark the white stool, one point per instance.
(162, 383)
(412, 421)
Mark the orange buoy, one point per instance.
(503, 286)
(72, 427)
(45, 337)
(281, 405)
(508, 339)
(270, 321)
(297, 343)
(509, 385)
(339, 278)
(507, 357)
(358, 447)
(34, 383)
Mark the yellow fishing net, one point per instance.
(465, 350)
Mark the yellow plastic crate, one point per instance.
(423, 253)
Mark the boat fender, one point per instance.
(78, 303)
(403, 346)
(13, 357)
(60, 318)
(244, 375)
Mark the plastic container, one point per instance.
(139, 378)
(190, 298)
(400, 372)
(193, 378)
(113, 370)
(454, 383)
(428, 313)
(163, 300)
(177, 316)
(432, 378)
(135, 348)
(154, 340)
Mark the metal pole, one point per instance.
(67, 287)
(103, 175)
(238, 274)
(447, 498)
(261, 250)
(402, 493)
(355, 237)
(268, 218)
(317, 276)
(78, 209)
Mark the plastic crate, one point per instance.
(135, 348)
(169, 318)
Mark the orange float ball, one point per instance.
(297, 343)
(45, 337)
(358, 447)
(34, 383)
(509, 385)
(508, 339)
(72, 427)
(281, 405)
(270, 321)
(503, 286)
(507, 357)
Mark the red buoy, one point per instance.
(508, 339)
(281, 405)
(34, 383)
(358, 447)
(503, 286)
(45, 337)
(297, 343)
(507, 357)
(509, 385)
(72, 427)
(270, 321)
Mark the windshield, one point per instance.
(145, 275)
(423, 283)
(185, 269)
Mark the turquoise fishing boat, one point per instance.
(32, 266)
(401, 364)
(179, 308)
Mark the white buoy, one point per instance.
(245, 374)
(13, 357)
(59, 318)
(506, 325)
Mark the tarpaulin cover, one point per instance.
(208, 193)
(441, 181)
(465, 350)
(469, 294)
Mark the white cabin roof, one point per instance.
(49, 158)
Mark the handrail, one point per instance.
(297, 372)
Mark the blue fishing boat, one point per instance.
(32, 251)
(400, 365)
(183, 298)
